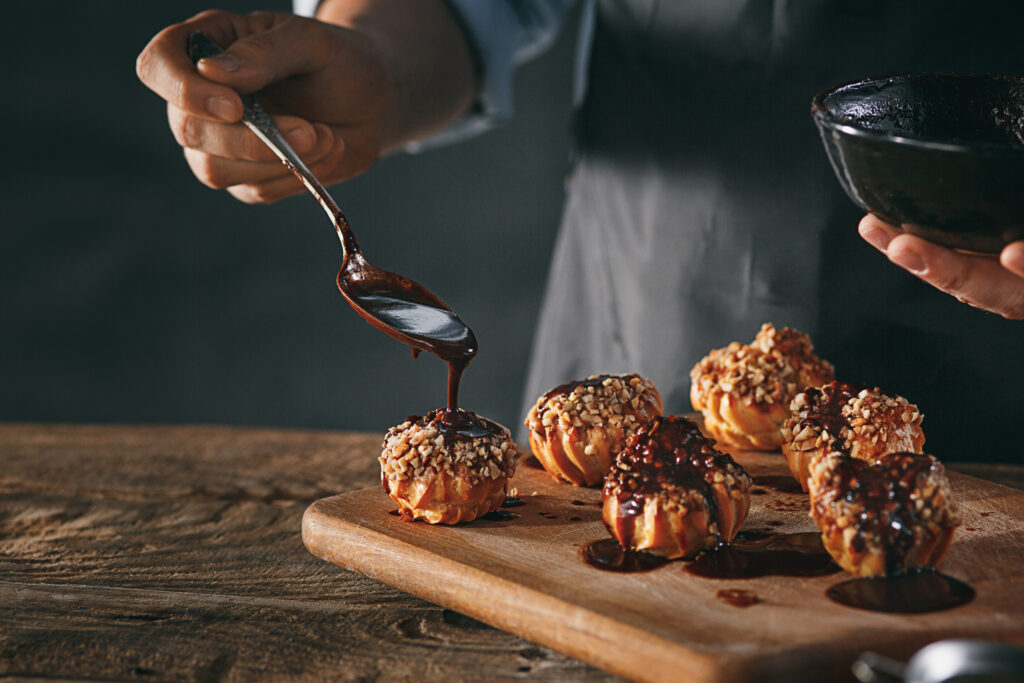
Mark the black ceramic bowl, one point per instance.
(940, 155)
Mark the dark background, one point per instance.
(131, 293)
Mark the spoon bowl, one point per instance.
(394, 304)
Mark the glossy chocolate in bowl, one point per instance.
(940, 155)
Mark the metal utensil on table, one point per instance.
(390, 302)
(977, 661)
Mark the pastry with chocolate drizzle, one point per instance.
(577, 429)
(744, 390)
(852, 419)
(885, 517)
(448, 467)
(671, 493)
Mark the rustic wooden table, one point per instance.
(158, 553)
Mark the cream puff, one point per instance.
(853, 419)
(577, 429)
(672, 493)
(744, 391)
(884, 517)
(447, 467)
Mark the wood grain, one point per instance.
(526, 576)
(174, 553)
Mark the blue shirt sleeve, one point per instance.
(503, 34)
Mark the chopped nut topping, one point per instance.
(770, 370)
(420, 447)
(594, 402)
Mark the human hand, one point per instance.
(326, 84)
(994, 284)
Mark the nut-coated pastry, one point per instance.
(577, 429)
(447, 467)
(884, 517)
(672, 493)
(744, 391)
(853, 419)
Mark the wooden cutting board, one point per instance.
(526, 576)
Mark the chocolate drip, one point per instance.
(884, 490)
(737, 597)
(460, 425)
(826, 409)
(754, 554)
(567, 388)
(427, 324)
(666, 452)
(924, 590)
(608, 555)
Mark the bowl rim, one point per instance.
(824, 117)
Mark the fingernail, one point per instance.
(223, 62)
(909, 260)
(223, 108)
(299, 139)
(877, 238)
(1013, 258)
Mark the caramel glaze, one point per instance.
(667, 451)
(890, 515)
(826, 412)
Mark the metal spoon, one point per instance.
(393, 304)
(947, 660)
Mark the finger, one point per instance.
(219, 173)
(165, 68)
(876, 232)
(976, 280)
(1012, 258)
(235, 141)
(270, 191)
(289, 46)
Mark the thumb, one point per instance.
(291, 46)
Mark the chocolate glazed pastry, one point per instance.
(671, 493)
(448, 467)
(744, 391)
(883, 518)
(577, 429)
(851, 419)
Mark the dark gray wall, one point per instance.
(131, 293)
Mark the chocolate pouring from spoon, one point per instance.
(395, 305)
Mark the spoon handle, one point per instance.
(259, 122)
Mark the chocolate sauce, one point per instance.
(460, 425)
(889, 514)
(608, 555)
(665, 452)
(737, 597)
(578, 502)
(392, 306)
(755, 554)
(924, 590)
(575, 519)
(512, 502)
(758, 492)
(499, 515)
(567, 388)
(826, 409)
(779, 482)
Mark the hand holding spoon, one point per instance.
(395, 305)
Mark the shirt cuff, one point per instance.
(502, 35)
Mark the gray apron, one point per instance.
(702, 204)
